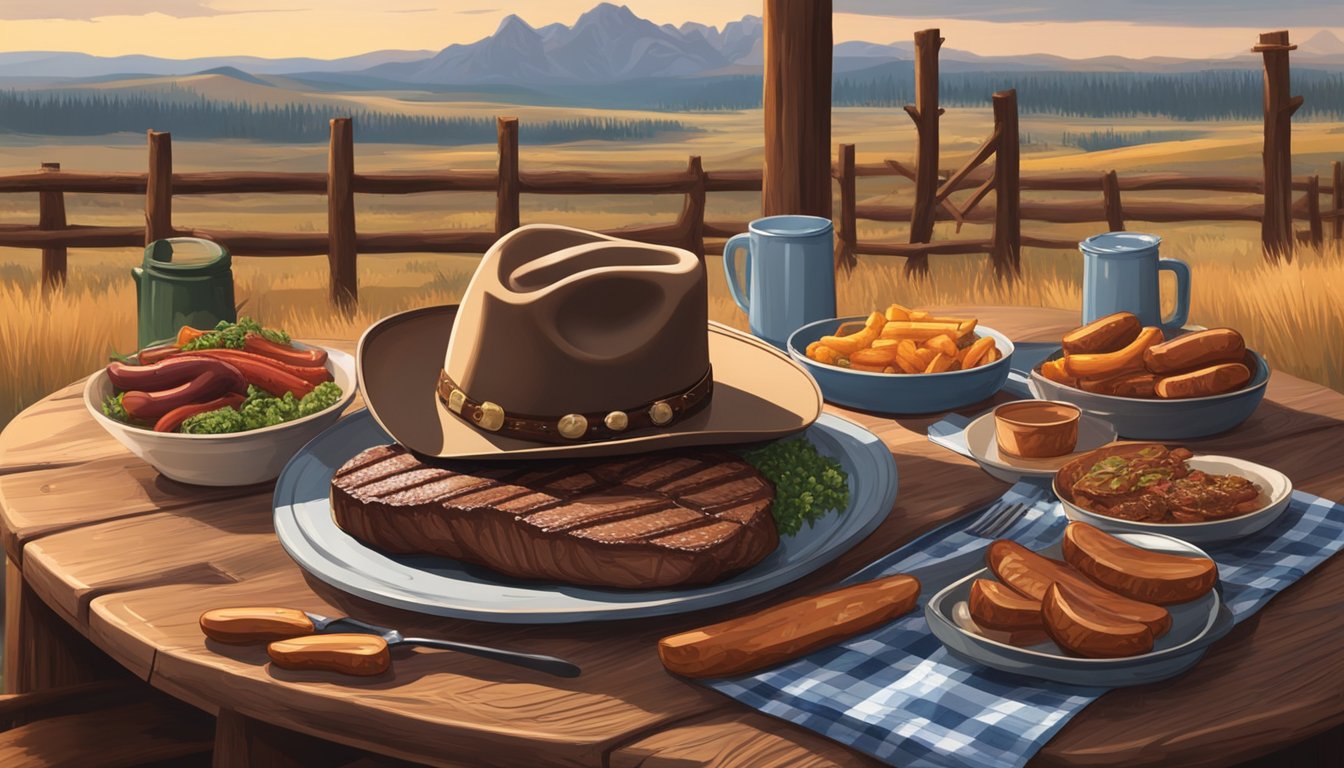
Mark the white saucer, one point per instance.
(1093, 433)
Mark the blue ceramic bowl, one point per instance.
(902, 393)
(1144, 419)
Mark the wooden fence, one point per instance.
(343, 241)
(932, 200)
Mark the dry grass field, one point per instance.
(1292, 313)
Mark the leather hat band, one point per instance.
(575, 427)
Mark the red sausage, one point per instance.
(170, 421)
(149, 406)
(172, 372)
(311, 374)
(155, 354)
(267, 376)
(283, 352)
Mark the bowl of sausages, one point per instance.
(1149, 387)
(221, 415)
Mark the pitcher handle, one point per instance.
(1173, 325)
(739, 294)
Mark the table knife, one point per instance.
(301, 640)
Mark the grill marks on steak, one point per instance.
(635, 522)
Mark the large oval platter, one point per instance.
(445, 587)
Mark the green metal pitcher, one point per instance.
(183, 281)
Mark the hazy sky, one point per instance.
(334, 28)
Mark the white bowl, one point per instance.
(1273, 484)
(238, 458)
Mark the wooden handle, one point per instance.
(350, 654)
(788, 630)
(242, 626)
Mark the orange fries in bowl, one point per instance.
(905, 341)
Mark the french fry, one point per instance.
(940, 363)
(965, 327)
(991, 356)
(919, 315)
(823, 354)
(847, 345)
(880, 343)
(925, 356)
(897, 312)
(974, 354)
(918, 331)
(906, 357)
(889, 369)
(878, 357)
(943, 343)
(853, 326)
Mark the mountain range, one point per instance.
(607, 44)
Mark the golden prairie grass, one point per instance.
(1290, 312)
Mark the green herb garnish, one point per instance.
(807, 484)
(228, 335)
(113, 409)
(262, 409)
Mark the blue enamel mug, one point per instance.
(1120, 272)
(789, 274)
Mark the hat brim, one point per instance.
(759, 394)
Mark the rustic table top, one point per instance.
(130, 559)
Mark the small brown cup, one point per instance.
(1036, 429)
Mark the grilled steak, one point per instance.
(660, 520)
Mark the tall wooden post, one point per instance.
(1007, 253)
(51, 215)
(691, 222)
(797, 103)
(1337, 203)
(1315, 225)
(1110, 193)
(159, 188)
(506, 199)
(341, 249)
(925, 112)
(846, 228)
(1276, 227)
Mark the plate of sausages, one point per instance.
(1095, 608)
(1149, 387)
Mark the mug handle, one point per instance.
(1182, 313)
(739, 294)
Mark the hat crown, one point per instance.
(558, 320)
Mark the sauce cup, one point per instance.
(1036, 429)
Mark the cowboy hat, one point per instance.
(572, 344)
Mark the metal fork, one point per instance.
(1000, 516)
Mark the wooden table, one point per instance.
(101, 548)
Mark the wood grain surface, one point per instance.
(130, 560)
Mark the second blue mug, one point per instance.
(789, 274)
(1120, 275)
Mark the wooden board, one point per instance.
(131, 559)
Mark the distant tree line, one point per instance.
(1093, 141)
(84, 113)
(1207, 95)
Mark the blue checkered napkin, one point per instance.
(896, 694)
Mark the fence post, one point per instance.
(506, 200)
(341, 249)
(691, 222)
(796, 177)
(51, 215)
(846, 234)
(159, 188)
(925, 112)
(1276, 226)
(1110, 192)
(1337, 203)
(1007, 253)
(1314, 211)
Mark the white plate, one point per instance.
(1093, 433)
(1275, 486)
(445, 587)
(1194, 626)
